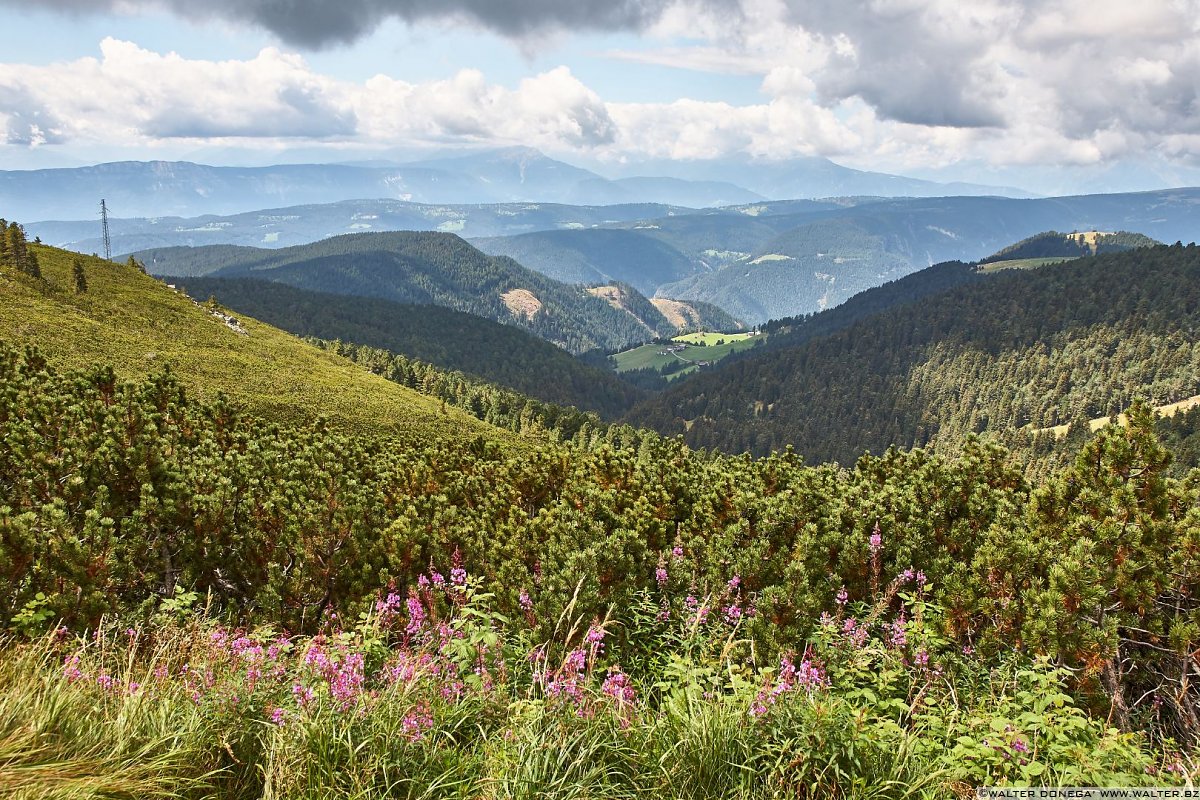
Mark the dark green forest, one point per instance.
(1053, 244)
(1029, 348)
(499, 354)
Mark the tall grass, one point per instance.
(454, 701)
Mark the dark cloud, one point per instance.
(909, 61)
(320, 23)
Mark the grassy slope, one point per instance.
(704, 347)
(1168, 410)
(1024, 263)
(138, 325)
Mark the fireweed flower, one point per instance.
(278, 716)
(387, 607)
(618, 687)
(525, 602)
(843, 596)
(876, 540)
(416, 615)
(71, 670)
(416, 722)
(660, 577)
(677, 551)
(807, 676)
(303, 694)
(347, 680)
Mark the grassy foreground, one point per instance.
(440, 696)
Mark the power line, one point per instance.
(104, 222)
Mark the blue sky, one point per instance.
(1051, 95)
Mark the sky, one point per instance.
(1055, 96)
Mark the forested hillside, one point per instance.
(1019, 348)
(595, 256)
(1053, 244)
(499, 354)
(428, 269)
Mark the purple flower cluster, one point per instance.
(807, 676)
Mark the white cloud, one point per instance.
(883, 84)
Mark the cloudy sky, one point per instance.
(1050, 95)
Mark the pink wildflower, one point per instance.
(303, 694)
(876, 540)
(71, 669)
(618, 687)
(416, 615)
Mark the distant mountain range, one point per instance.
(757, 261)
(429, 268)
(164, 189)
(293, 225)
(771, 260)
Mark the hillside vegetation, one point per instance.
(410, 617)
(1006, 350)
(1053, 244)
(500, 354)
(139, 326)
(423, 268)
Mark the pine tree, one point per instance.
(80, 278)
(32, 267)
